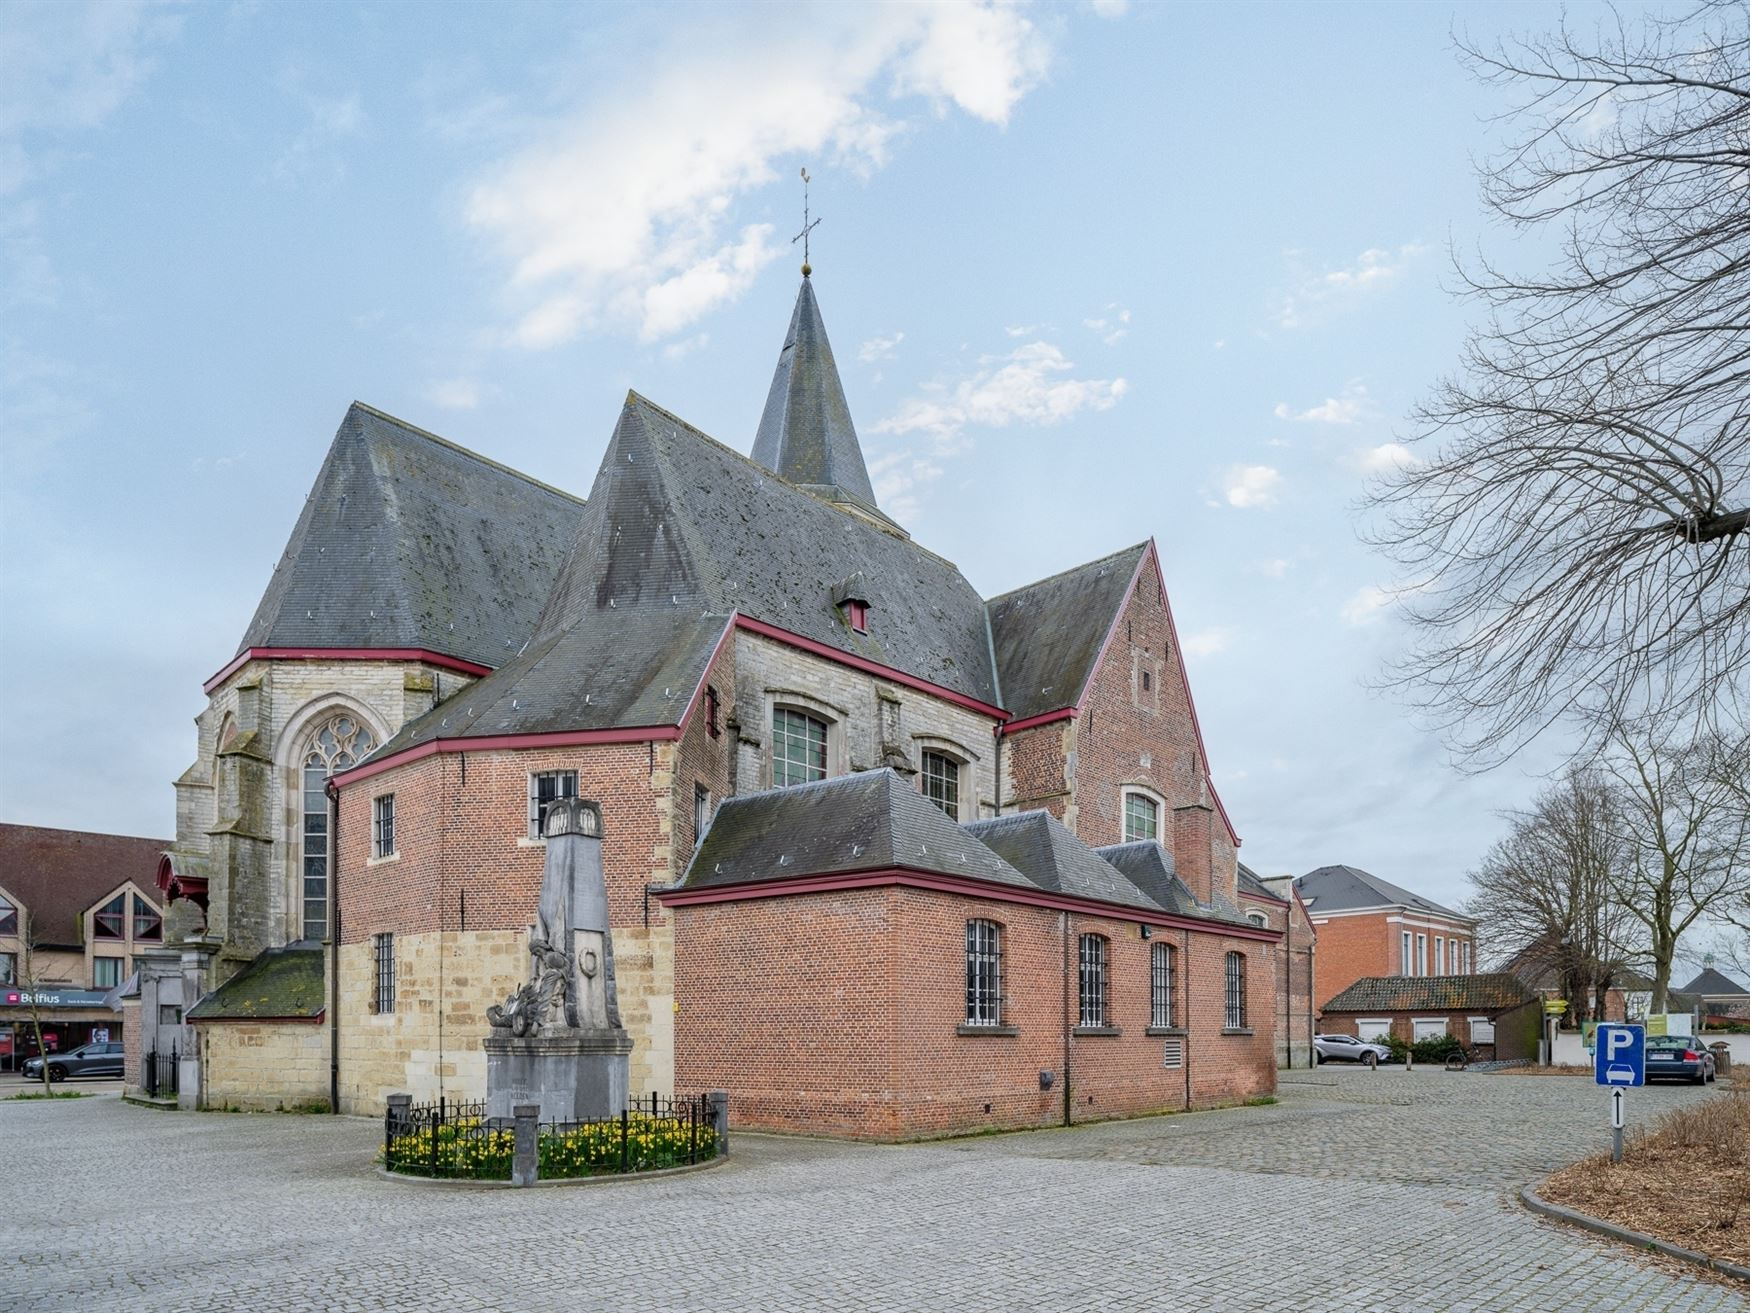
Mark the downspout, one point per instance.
(1185, 964)
(1063, 922)
(333, 791)
(1288, 987)
(1312, 1057)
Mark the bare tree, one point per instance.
(1546, 892)
(1573, 525)
(1686, 835)
(30, 984)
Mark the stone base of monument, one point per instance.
(573, 1075)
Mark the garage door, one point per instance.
(1429, 1027)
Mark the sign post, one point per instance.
(1620, 1060)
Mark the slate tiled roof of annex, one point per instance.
(284, 983)
(1713, 984)
(1251, 885)
(1490, 992)
(1047, 635)
(868, 822)
(1149, 866)
(1348, 888)
(59, 874)
(409, 541)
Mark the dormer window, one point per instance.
(857, 616)
(852, 599)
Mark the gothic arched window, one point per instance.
(340, 743)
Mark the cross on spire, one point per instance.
(807, 227)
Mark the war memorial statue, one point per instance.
(558, 1041)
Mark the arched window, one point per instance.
(1236, 991)
(1258, 918)
(1093, 981)
(798, 748)
(1142, 817)
(1160, 987)
(340, 743)
(984, 973)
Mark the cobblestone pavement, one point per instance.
(1359, 1190)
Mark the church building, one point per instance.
(884, 857)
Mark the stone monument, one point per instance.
(558, 1042)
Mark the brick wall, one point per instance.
(263, 1065)
(840, 1013)
(1295, 959)
(1516, 1029)
(1360, 944)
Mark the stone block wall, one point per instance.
(263, 1065)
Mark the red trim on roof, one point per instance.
(290, 1021)
(953, 884)
(784, 636)
(420, 654)
(176, 885)
(570, 738)
(1043, 718)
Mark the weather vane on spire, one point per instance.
(807, 227)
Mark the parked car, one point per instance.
(86, 1060)
(1346, 1048)
(1679, 1057)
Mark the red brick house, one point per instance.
(1367, 926)
(704, 627)
(1495, 1015)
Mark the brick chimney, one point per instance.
(1191, 848)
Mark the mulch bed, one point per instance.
(1685, 1181)
(1535, 1070)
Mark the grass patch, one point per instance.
(1262, 1101)
(56, 1094)
(1685, 1180)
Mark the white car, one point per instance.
(1346, 1048)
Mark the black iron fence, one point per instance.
(161, 1073)
(458, 1141)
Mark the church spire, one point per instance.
(806, 435)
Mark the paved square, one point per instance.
(1359, 1190)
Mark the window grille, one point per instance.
(1093, 980)
(341, 743)
(383, 826)
(383, 997)
(147, 923)
(1236, 991)
(1142, 817)
(711, 710)
(798, 748)
(546, 788)
(1160, 980)
(984, 974)
(942, 782)
(110, 920)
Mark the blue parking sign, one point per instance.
(1621, 1056)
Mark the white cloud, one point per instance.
(1021, 330)
(685, 347)
(455, 393)
(1317, 294)
(1027, 386)
(628, 212)
(1206, 642)
(1112, 326)
(1273, 569)
(1251, 485)
(900, 477)
(879, 348)
(313, 156)
(1384, 459)
(1366, 605)
(1346, 409)
(1111, 8)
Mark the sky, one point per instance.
(1092, 272)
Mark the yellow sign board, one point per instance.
(1555, 1006)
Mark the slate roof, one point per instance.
(678, 532)
(1041, 847)
(1712, 984)
(1348, 888)
(1494, 991)
(408, 540)
(1047, 635)
(1149, 866)
(806, 435)
(871, 821)
(1252, 885)
(282, 983)
(58, 874)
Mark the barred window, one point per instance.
(147, 923)
(383, 826)
(942, 782)
(110, 920)
(1236, 991)
(341, 743)
(984, 973)
(1142, 817)
(712, 727)
(383, 996)
(1093, 980)
(798, 748)
(546, 788)
(1160, 982)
